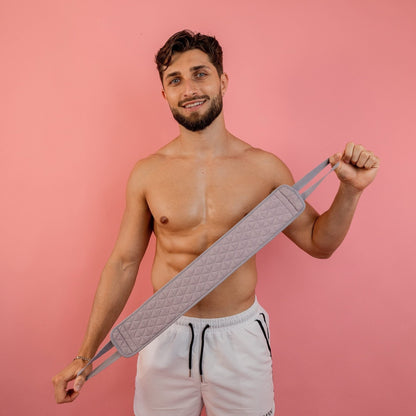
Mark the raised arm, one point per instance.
(116, 283)
(321, 235)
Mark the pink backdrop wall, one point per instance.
(80, 103)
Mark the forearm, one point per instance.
(113, 291)
(331, 227)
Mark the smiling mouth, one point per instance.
(193, 104)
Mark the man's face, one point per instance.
(193, 89)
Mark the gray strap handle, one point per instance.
(310, 176)
(107, 347)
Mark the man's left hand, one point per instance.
(357, 166)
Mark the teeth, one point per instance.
(193, 105)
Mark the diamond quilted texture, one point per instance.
(208, 270)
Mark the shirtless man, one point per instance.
(189, 193)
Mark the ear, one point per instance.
(224, 83)
(163, 94)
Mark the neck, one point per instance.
(210, 141)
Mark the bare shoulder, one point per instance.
(142, 172)
(270, 166)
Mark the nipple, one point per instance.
(164, 220)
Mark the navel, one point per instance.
(164, 220)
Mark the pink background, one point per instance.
(81, 102)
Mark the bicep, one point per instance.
(136, 225)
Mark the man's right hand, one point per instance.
(60, 381)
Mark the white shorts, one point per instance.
(224, 364)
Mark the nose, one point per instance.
(189, 88)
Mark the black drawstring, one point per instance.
(265, 322)
(265, 335)
(202, 351)
(190, 349)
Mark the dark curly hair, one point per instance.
(186, 40)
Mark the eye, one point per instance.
(200, 75)
(174, 81)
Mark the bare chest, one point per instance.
(185, 197)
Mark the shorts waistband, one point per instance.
(225, 321)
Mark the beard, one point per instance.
(197, 122)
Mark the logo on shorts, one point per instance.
(269, 413)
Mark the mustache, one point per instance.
(201, 97)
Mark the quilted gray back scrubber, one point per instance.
(208, 270)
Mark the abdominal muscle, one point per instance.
(234, 295)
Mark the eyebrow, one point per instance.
(192, 69)
(195, 68)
